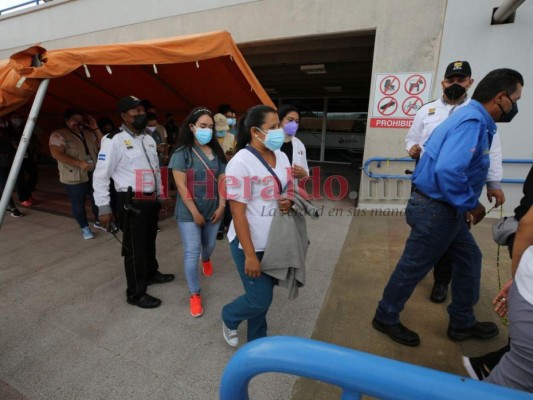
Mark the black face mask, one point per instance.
(454, 92)
(140, 121)
(509, 115)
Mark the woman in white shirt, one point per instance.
(254, 178)
(289, 117)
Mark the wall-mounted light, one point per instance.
(313, 69)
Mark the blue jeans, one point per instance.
(254, 303)
(196, 239)
(78, 194)
(436, 229)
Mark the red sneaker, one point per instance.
(27, 203)
(207, 267)
(195, 303)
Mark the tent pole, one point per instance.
(22, 147)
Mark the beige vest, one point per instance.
(228, 143)
(74, 148)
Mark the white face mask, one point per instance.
(151, 128)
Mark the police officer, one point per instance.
(129, 157)
(457, 81)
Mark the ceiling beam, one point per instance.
(320, 56)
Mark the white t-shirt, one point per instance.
(248, 181)
(524, 275)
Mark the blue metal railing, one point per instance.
(355, 372)
(22, 4)
(380, 160)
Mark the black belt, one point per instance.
(139, 195)
(421, 193)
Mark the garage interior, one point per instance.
(328, 77)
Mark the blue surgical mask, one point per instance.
(274, 138)
(221, 134)
(232, 121)
(203, 135)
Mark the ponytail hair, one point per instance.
(254, 117)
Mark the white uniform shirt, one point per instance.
(248, 181)
(299, 156)
(431, 115)
(131, 160)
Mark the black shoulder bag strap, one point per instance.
(260, 158)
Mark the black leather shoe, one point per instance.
(439, 292)
(145, 301)
(220, 235)
(161, 278)
(398, 333)
(481, 330)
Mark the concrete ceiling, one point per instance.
(347, 61)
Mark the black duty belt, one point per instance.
(139, 195)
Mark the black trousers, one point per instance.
(442, 271)
(27, 179)
(4, 174)
(139, 235)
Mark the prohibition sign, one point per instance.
(387, 106)
(389, 85)
(411, 105)
(415, 84)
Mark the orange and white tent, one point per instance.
(175, 74)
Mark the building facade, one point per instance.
(332, 58)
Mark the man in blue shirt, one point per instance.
(449, 180)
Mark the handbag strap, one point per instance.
(260, 158)
(203, 162)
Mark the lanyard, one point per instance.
(260, 158)
(82, 138)
(150, 164)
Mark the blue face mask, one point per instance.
(221, 134)
(274, 138)
(232, 121)
(203, 135)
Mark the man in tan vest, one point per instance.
(75, 148)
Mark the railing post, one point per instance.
(22, 147)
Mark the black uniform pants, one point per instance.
(442, 271)
(139, 235)
(27, 179)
